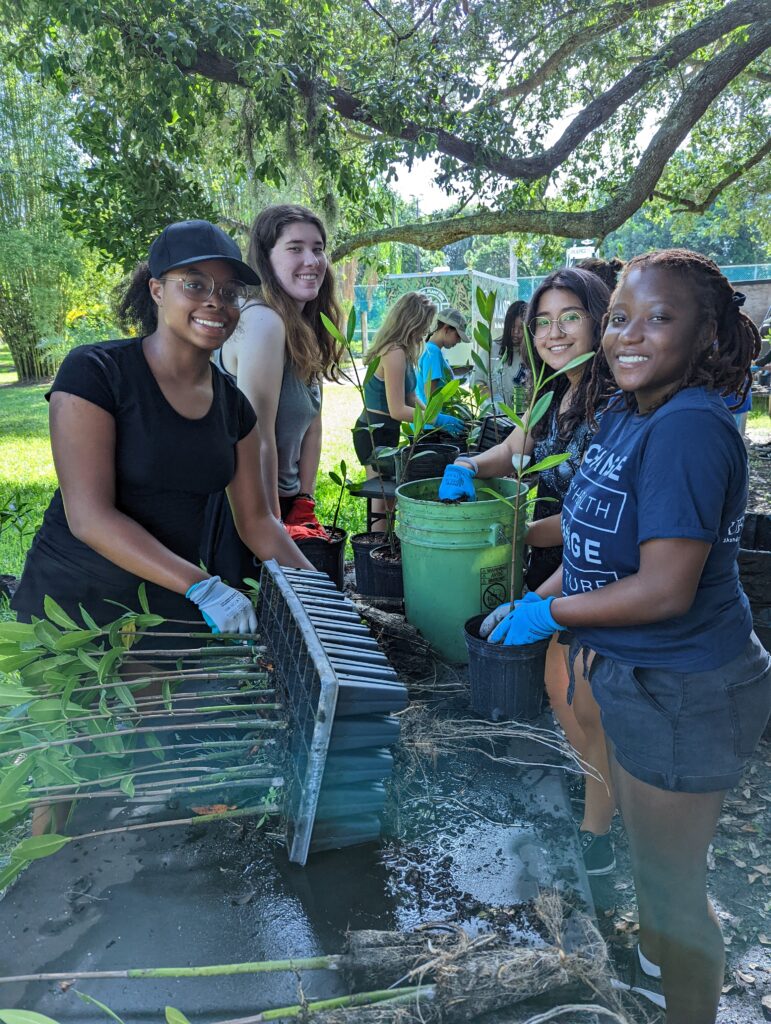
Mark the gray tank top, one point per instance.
(298, 407)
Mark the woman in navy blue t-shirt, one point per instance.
(651, 529)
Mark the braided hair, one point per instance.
(724, 365)
(594, 296)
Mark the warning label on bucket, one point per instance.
(492, 586)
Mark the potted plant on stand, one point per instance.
(507, 682)
(328, 553)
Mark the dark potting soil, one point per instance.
(387, 555)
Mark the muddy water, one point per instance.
(464, 838)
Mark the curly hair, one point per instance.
(594, 296)
(506, 346)
(606, 270)
(404, 327)
(724, 365)
(312, 350)
(135, 306)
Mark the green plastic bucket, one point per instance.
(456, 559)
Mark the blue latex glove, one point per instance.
(457, 482)
(496, 617)
(224, 609)
(530, 621)
(451, 424)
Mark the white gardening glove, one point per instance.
(500, 613)
(226, 610)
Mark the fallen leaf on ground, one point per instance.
(214, 808)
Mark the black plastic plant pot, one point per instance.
(429, 459)
(386, 570)
(362, 544)
(755, 560)
(493, 431)
(505, 682)
(327, 555)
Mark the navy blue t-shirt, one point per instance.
(680, 471)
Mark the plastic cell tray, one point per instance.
(339, 693)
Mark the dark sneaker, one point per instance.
(598, 854)
(632, 978)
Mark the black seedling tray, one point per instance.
(339, 692)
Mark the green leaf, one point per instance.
(71, 641)
(175, 1017)
(166, 691)
(57, 614)
(18, 632)
(335, 478)
(89, 621)
(7, 875)
(548, 462)
(540, 409)
(479, 361)
(12, 694)
(46, 633)
(142, 595)
(100, 1006)
(153, 744)
(127, 785)
(371, 368)
(107, 665)
(334, 330)
(88, 661)
(37, 847)
(350, 327)
(13, 781)
(17, 661)
(578, 361)
(512, 415)
(125, 696)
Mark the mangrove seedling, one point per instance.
(339, 479)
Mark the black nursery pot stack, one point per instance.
(755, 572)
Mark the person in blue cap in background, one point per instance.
(143, 430)
(433, 369)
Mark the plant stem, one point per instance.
(313, 963)
(199, 819)
(75, 740)
(340, 1002)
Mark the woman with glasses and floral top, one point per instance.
(564, 319)
(143, 431)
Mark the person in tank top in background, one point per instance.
(279, 357)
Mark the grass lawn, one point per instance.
(27, 470)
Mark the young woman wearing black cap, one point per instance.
(143, 430)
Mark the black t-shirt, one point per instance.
(166, 466)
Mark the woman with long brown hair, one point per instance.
(279, 357)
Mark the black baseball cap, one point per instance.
(193, 241)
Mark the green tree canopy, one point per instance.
(550, 118)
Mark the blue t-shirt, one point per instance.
(431, 366)
(680, 471)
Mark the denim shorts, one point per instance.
(687, 732)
